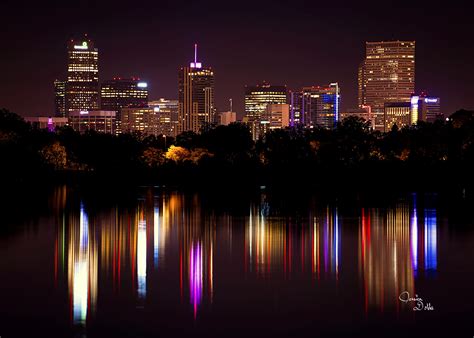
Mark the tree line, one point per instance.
(351, 154)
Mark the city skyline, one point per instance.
(158, 46)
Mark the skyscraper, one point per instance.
(386, 75)
(82, 87)
(118, 93)
(316, 106)
(195, 96)
(60, 98)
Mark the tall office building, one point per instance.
(118, 93)
(257, 98)
(195, 96)
(82, 87)
(315, 106)
(59, 98)
(167, 115)
(386, 75)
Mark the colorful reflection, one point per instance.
(275, 245)
(82, 268)
(394, 247)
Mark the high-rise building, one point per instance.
(315, 106)
(256, 100)
(386, 75)
(167, 115)
(426, 108)
(118, 93)
(195, 96)
(398, 113)
(102, 121)
(59, 98)
(82, 87)
(278, 115)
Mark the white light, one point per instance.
(414, 99)
(156, 109)
(83, 46)
(427, 100)
(142, 84)
(83, 112)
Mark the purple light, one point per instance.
(195, 275)
(50, 124)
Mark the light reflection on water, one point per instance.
(128, 247)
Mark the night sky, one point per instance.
(294, 43)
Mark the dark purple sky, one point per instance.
(284, 42)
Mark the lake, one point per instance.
(165, 263)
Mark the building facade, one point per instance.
(257, 98)
(364, 113)
(46, 122)
(195, 96)
(386, 75)
(118, 93)
(397, 113)
(426, 108)
(167, 112)
(59, 98)
(82, 87)
(227, 117)
(315, 106)
(102, 121)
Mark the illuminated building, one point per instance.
(119, 93)
(278, 115)
(426, 108)
(398, 113)
(364, 113)
(82, 87)
(102, 121)
(195, 96)
(227, 117)
(147, 121)
(59, 98)
(44, 122)
(387, 75)
(316, 106)
(256, 100)
(167, 111)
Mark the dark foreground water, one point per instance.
(168, 264)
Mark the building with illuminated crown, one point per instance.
(167, 115)
(195, 96)
(386, 75)
(82, 87)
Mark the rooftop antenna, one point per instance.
(230, 102)
(195, 52)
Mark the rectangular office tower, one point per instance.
(195, 96)
(386, 75)
(119, 93)
(82, 88)
(59, 98)
(257, 98)
(315, 106)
